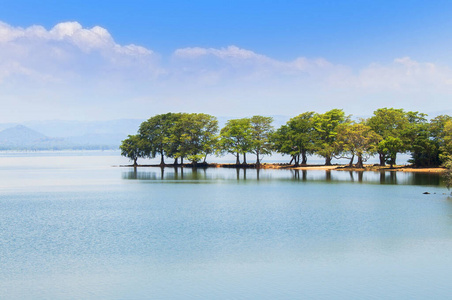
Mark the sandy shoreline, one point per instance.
(372, 168)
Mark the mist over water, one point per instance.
(74, 226)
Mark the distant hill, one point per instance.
(65, 129)
(21, 135)
(62, 135)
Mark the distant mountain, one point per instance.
(20, 135)
(59, 135)
(58, 128)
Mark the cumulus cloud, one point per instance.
(401, 73)
(232, 62)
(405, 73)
(317, 82)
(86, 39)
(229, 53)
(87, 70)
(66, 48)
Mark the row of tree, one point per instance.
(331, 135)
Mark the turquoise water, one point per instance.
(75, 227)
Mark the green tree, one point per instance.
(325, 132)
(198, 138)
(448, 173)
(295, 138)
(133, 148)
(236, 138)
(446, 148)
(437, 126)
(389, 123)
(357, 140)
(424, 140)
(427, 142)
(283, 143)
(261, 130)
(172, 137)
(391, 146)
(155, 132)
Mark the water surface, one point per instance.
(74, 227)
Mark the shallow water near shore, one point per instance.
(74, 227)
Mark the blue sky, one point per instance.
(222, 57)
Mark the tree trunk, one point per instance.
(296, 160)
(382, 159)
(176, 161)
(205, 157)
(135, 162)
(182, 161)
(257, 158)
(291, 160)
(237, 161)
(244, 158)
(162, 161)
(350, 164)
(392, 160)
(328, 161)
(360, 164)
(304, 157)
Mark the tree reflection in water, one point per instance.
(264, 175)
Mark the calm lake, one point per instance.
(76, 226)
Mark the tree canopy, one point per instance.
(235, 138)
(195, 136)
(390, 124)
(325, 132)
(133, 148)
(261, 130)
(358, 140)
(295, 138)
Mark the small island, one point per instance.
(331, 135)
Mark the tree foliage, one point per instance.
(389, 131)
(198, 138)
(446, 147)
(261, 131)
(448, 173)
(390, 124)
(295, 138)
(133, 148)
(357, 140)
(325, 132)
(236, 138)
(156, 131)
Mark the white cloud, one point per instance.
(402, 73)
(69, 67)
(67, 48)
(231, 52)
(236, 63)
(405, 74)
(9, 33)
